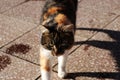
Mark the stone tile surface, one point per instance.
(29, 11)
(11, 28)
(94, 14)
(30, 41)
(17, 69)
(89, 64)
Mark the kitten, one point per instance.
(57, 29)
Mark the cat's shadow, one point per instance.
(100, 75)
(112, 46)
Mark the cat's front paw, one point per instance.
(62, 74)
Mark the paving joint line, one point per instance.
(104, 27)
(21, 58)
(117, 16)
(14, 6)
(68, 55)
(18, 5)
(19, 19)
(38, 77)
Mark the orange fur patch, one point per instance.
(44, 63)
(61, 19)
(53, 10)
(45, 16)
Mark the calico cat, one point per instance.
(57, 34)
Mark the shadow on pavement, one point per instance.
(112, 46)
(101, 75)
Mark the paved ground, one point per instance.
(95, 55)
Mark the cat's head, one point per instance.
(58, 22)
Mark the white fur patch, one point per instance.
(45, 52)
(62, 64)
(45, 75)
(43, 29)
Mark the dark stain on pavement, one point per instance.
(4, 61)
(18, 48)
(86, 47)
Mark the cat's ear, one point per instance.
(68, 28)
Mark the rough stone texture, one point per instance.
(11, 28)
(84, 65)
(94, 14)
(6, 5)
(29, 11)
(18, 69)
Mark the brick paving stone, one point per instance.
(30, 42)
(5, 5)
(29, 11)
(11, 28)
(17, 69)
